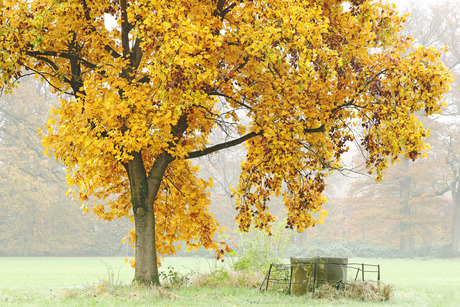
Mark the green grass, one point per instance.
(106, 282)
(424, 282)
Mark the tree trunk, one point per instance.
(406, 243)
(406, 238)
(456, 217)
(146, 271)
(144, 191)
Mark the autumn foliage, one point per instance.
(149, 82)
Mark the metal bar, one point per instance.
(357, 272)
(314, 279)
(267, 278)
(290, 281)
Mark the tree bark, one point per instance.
(144, 190)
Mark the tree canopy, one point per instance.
(148, 82)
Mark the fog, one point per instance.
(413, 212)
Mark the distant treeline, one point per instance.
(37, 218)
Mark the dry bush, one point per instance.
(363, 291)
(224, 278)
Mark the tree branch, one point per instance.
(314, 130)
(136, 54)
(215, 93)
(227, 9)
(47, 80)
(220, 11)
(209, 150)
(125, 28)
(107, 48)
(67, 56)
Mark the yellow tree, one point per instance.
(149, 81)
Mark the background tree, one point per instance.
(416, 203)
(438, 25)
(447, 152)
(403, 210)
(224, 169)
(148, 91)
(36, 217)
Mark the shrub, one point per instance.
(257, 249)
(172, 278)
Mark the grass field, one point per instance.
(105, 282)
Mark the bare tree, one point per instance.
(438, 25)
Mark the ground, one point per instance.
(105, 282)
